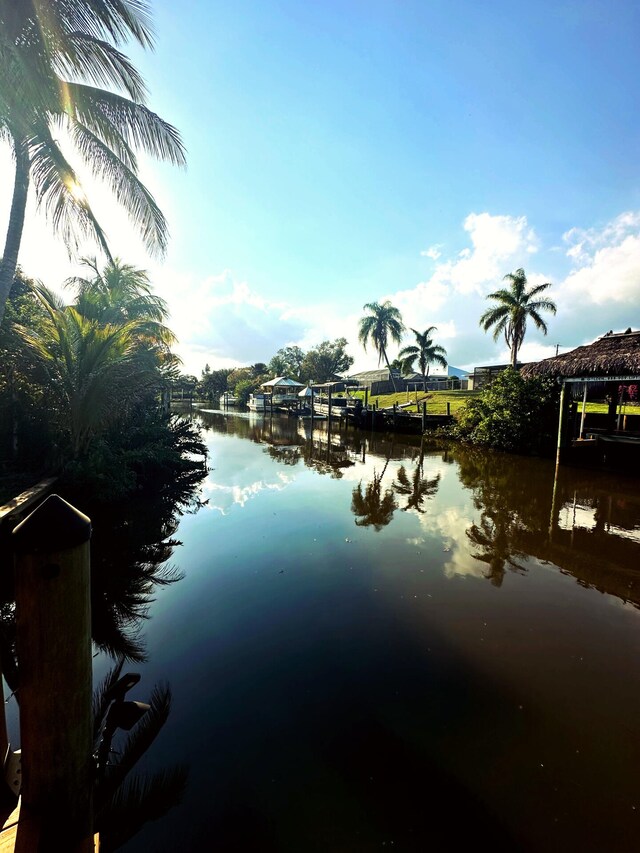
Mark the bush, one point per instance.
(514, 414)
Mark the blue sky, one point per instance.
(344, 152)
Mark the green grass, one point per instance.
(436, 400)
(603, 408)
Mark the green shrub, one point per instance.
(513, 413)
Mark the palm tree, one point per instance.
(53, 59)
(96, 371)
(425, 351)
(515, 305)
(383, 322)
(119, 293)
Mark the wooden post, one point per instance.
(448, 409)
(620, 395)
(312, 414)
(612, 411)
(366, 398)
(424, 416)
(329, 415)
(584, 409)
(53, 633)
(394, 415)
(563, 422)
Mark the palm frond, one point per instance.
(99, 62)
(141, 799)
(54, 181)
(139, 739)
(129, 191)
(101, 701)
(138, 125)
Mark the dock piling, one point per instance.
(53, 633)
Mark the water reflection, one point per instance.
(373, 507)
(348, 677)
(416, 488)
(130, 560)
(586, 523)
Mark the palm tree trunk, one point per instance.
(393, 381)
(9, 260)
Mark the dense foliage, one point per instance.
(82, 388)
(514, 414)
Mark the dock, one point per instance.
(13, 824)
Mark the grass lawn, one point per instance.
(436, 400)
(603, 408)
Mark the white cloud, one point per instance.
(225, 322)
(582, 242)
(452, 299)
(610, 273)
(432, 252)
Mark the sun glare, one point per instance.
(77, 192)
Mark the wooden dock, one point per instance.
(18, 506)
(11, 826)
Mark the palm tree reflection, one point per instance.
(416, 488)
(373, 507)
(494, 537)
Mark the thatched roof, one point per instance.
(612, 356)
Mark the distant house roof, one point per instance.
(613, 356)
(381, 374)
(457, 372)
(282, 381)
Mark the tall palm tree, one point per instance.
(383, 322)
(54, 56)
(515, 305)
(425, 351)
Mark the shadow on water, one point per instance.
(131, 549)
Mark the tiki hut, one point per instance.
(612, 360)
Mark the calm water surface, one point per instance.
(380, 645)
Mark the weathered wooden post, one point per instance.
(366, 398)
(424, 416)
(394, 415)
(584, 409)
(53, 621)
(563, 422)
(448, 409)
(329, 415)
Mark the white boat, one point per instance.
(227, 399)
(258, 402)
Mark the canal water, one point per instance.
(378, 643)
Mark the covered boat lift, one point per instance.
(612, 361)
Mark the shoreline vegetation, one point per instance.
(84, 390)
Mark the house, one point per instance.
(379, 381)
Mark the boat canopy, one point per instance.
(282, 382)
